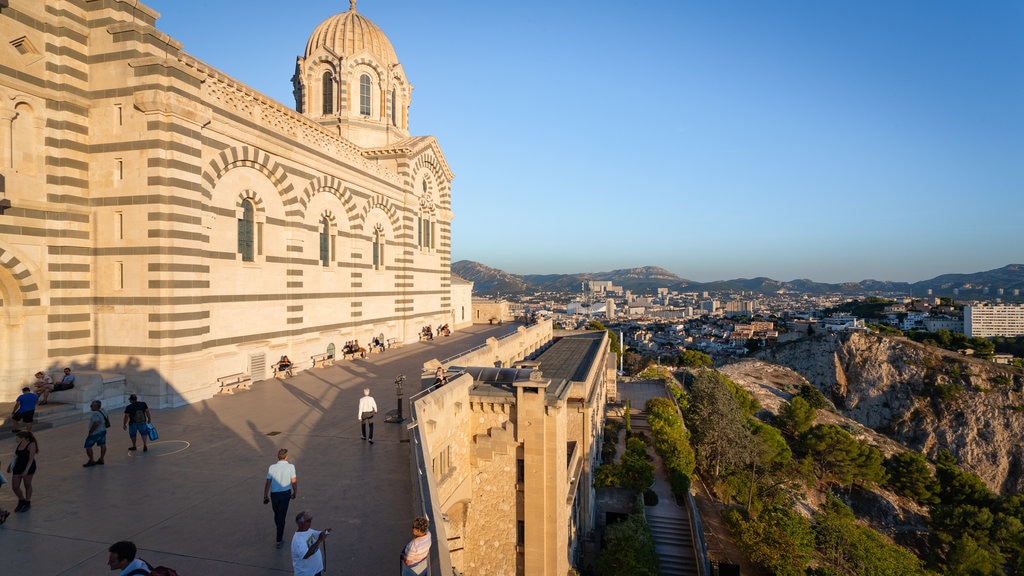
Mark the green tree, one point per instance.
(635, 470)
(628, 548)
(910, 475)
(606, 475)
(967, 558)
(694, 359)
(769, 463)
(958, 487)
(778, 539)
(840, 458)
(849, 548)
(717, 424)
(796, 416)
(815, 399)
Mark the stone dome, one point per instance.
(349, 33)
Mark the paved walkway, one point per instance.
(194, 501)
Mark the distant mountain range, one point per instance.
(489, 281)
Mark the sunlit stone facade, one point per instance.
(171, 224)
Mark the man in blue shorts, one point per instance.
(136, 421)
(97, 434)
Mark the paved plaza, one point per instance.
(194, 502)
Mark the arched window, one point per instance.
(378, 248)
(364, 95)
(246, 231)
(425, 230)
(328, 93)
(394, 107)
(325, 242)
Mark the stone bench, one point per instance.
(324, 359)
(231, 382)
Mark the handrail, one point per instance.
(477, 347)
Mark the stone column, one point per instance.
(6, 146)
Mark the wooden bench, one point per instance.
(394, 343)
(229, 383)
(278, 371)
(324, 359)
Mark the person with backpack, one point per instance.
(122, 557)
(136, 414)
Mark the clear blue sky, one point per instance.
(822, 139)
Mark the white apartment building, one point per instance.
(986, 320)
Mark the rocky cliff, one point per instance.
(923, 397)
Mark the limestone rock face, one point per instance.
(923, 397)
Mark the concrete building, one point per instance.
(738, 308)
(936, 323)
(172, 225)
(509, 456)
(985, 321)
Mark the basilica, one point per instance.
(162, 221)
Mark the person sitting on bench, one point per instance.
(285, 365)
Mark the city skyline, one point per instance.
(787, 140)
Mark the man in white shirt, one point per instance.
(307, 560)
(280, 487)
(367, 409)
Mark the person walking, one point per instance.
(97, 434)
(137, 420)
(416, 554)
(280, 488)
(23, 469)
(367, 410)
(24, 409)
(307, 560)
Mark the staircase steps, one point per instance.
(51, 415)
(673, 542)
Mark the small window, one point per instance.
(364, 95)
(325, 242)
(394, 107)
(246, 231)
(328, 93)
(378, 249)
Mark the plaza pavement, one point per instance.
(194, 501)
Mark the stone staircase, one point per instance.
(669, 523)
(49, 416)
(673, 541)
